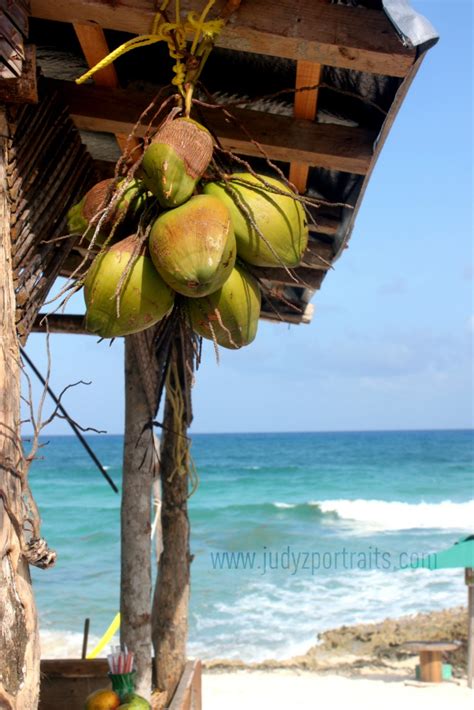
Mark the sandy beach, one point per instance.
(280, 690)
(361, 666)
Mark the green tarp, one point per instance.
(461, 554)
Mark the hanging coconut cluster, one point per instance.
(195, 231)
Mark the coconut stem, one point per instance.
(188, 99)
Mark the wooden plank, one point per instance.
(311, 30)
(94, 45)
(196, 687)
(318, 255)
(17, 11)
(74, 667)
(343, 148)
(305, 278)
(12, 52)
(182, 699)
(325, 224)
(307, 74)
(66, 683)
(293, 318)
(24, 89)
(61, 323)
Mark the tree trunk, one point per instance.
(171, 598)
(19, 641)
(139, 466)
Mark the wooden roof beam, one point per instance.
(297, 317)
(311, 30)
(73, 324)
(318, 255)
(60, 323)
(342, 148)
(303, 277)
(325, 224)
(94, 46)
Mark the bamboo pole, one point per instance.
(19, 640)
(139, 465)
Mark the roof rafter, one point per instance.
(311, 30)
(335, 147)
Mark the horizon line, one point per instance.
(302, 431)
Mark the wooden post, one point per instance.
(171, 598)
(469, 577)
(139, 465)
(19, 641)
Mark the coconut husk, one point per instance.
(193, 246)
(176, 160)
(230, 315)
(144, 298)
(270, 228)
(122, 219)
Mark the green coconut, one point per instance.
(144, 299)
(134, 702)
(278, 218)
(126, 212)
(193, 246)
(230, 315)
(176, 160)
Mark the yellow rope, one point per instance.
(200, 23)
(173, 33)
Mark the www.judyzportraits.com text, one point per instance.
(293, 561)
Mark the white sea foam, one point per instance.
(279, 620)
(67, 644)
(284, 505)
(381, 515)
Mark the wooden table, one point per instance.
(431, 658)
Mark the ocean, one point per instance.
(292, 534)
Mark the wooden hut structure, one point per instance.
(312, 85)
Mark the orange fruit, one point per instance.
(103, 699)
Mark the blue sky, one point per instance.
(390, 346)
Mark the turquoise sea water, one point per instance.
(292, 534)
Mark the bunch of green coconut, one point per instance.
(202, 235)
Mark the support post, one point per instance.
(19, 640)
(139, 466)
(171, 597)
(469, 578)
